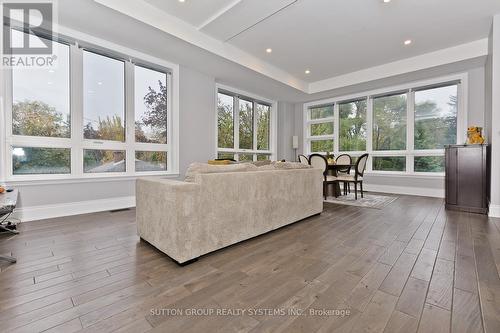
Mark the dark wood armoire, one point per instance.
(468, 178)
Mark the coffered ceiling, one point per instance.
(338, 41)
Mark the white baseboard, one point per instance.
(34, 213)
(494, 211)
(420, 191)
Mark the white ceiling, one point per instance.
(330, 37)
(337, 37)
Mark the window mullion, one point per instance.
(6, 140)
(170, 128)
(336, 129)
(410, 130)
(76, 105)
(236, 124)
(129, 118)
(369, 132)
(254, 129)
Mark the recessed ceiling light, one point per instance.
(307, 71)
(269, 50)
(182, 0)
(387, 1)
(408, 42)
(99, 83)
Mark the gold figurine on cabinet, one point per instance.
(474, 135)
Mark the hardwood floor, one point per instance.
(411, 267)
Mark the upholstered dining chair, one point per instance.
(303, 159)
(344, 159)
(320, 162)
(357, 177)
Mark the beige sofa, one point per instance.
(186, 220)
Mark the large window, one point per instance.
(246, 124)
(352, 116)
(41, 98)
(436, 113)
(91, 114)
(404, 130)
(436, 117)
(103, 97)
(244, 128)
(389, 122)
(150, 91)
(321, 128)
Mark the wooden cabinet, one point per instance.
(468, 178)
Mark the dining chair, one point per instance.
(303, 159)
(318, 161)
(357, 178)
(344, 159)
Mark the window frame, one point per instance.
(77, 143)
(460, 79)
(237, 94)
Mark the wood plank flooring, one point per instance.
(410, 267)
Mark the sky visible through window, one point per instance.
(50, 86)
(103, 89)
(442, 98)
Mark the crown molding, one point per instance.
(478, 48)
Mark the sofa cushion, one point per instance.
(199, 168)
(284, 166)
(261, 163)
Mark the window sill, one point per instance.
(419, 175)
(74, 180)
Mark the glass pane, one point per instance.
(31, 161)
(263, 126)
(225, 121)
(97, 161)
(245, 157)
(436, 117)
(103, 98)
(321, 146)
(246, 124)
(225, 156)
(353, 126)
(389, 122)
(41, 102)
(321, 112)
(322, 129)
(429, 163)
(150, 105)
(150, 161)
(263, 157)
(392, 163)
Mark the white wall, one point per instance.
(495, 118)
(488, 92)
(286, 114)
(197, 118)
